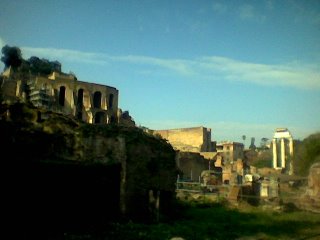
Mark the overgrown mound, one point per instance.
(88, 174)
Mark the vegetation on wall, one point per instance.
(148, 162)
(12, 57)
(259, 159)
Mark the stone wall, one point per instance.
(311, 199)
(191, 165)
(142, 166)
(231, 151)
(197, 139)
(63, 93)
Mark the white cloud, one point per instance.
(248, 12)
(219, 8)
(65, 55)
(295, 75)
(269, 4)
(306, 13)
(177, 65)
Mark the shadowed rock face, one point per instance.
(91, 173)
(311, 199)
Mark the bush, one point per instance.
(307, 153)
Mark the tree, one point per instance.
(306, 153)
(11, 56)
(263, 143)
(252, 146)
(43, 66)
(244, 139)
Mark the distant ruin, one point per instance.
(282, 147)
(63, 93)
(196, 139)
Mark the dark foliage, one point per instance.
(11, 56)
(307, 152)
(43, 66)
(214, 221)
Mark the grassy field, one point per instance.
(216, 221)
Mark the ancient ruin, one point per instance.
(64, 93)
(231, 151)
(310, 200)
(282, 147)
(82, 173)
(196, 139)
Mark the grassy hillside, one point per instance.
(215, 221)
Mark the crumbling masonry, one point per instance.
(63, 93)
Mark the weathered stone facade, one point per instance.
(196, 139)
(231, 151)
(191, 164)
(75, 172)
(310, 200)
(63, 93)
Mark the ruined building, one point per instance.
(63, 93)
(196, 139)
(282, 148)
(69, 176)
(194, 147)
(231, 161)
(231, 151)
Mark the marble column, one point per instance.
(291, 146)
(283, 154)
(274, 149)
(291, 156)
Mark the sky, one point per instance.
(237, 67)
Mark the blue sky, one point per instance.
(237, 67)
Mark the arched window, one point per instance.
(99, 117)
(80, 97)
(112, 120)
(62, 95)
(97, 100)
(110, 105)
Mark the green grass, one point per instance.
(215, 221)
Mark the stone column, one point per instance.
(291, 146)
(283, 154)
(104, 105)
(274, 148)
(72, 99)
(90, 117)
(291, 156)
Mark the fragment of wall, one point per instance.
(191, 164)
(187, 139)
(72, 87)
